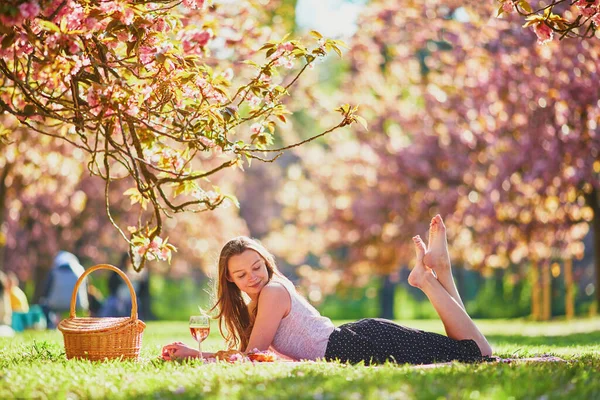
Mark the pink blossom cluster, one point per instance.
(253, 101)
(168, 158)
(282, 55)
(118, 11)
(195, 4)
(257, 128)
(26, 12)
(211, 196)
(194, 40)
(21, 47)
(153, 250)
(209, 92)
(508, 6)
(543, 32)
(588, 8)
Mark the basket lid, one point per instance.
(96, 325)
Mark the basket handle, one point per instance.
(134, 313)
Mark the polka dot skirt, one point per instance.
(376, 341)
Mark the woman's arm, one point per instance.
(273, 304)
(179, 350)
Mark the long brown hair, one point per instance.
(233, 312)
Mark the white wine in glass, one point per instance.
(199, 328)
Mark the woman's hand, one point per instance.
(178, 351)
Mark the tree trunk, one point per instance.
(546, 291)
(3, 194)
(535, 291)
(386, 296)
(593, 200)
(569, 298)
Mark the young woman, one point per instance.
(279, 318)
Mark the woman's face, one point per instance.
(248, 271)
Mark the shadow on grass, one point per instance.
(575, 339)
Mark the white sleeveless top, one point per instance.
(303, 333)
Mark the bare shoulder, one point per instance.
(274, 290)
(276, 299)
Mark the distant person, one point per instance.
(18, 299)
(56, 296)
(118, 302)
(5, 308)
(95, 300)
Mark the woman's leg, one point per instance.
(458, 324)
(437, 258)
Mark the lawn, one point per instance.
(32, 365)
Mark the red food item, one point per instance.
(262, 356)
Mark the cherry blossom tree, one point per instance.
(159, 93)
(565, 18)
(467, 118)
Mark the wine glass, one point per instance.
(199, 328)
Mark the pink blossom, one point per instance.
(278, 53)
(164, 253)
(194, 4)
(74, 47)
(161, 25)
(207, 142)
(508, 6)
(228, 74)
(256, 128)
(253, 101)
(212, 196)
(596, 20)
(202, 38)
(287, 46)
(127, 16)
(29, 10)
(289, 63)
(109, 7)
(141, 250)
(236, 357)
(544, 32)
(155, 244)
(146, 91)
(147, 54)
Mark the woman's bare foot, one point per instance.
(419, 273)
(437, 256)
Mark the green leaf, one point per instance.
(362, 121)
(266, 46)
(525, 6)
(500, 10)
(48, 25)
(316, 35)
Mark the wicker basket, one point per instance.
(103, 338)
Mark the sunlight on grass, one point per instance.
(33, 365)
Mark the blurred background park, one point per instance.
(468, 116)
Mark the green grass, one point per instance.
(33, 365)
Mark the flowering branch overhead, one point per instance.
(566, 18)
(134, 86)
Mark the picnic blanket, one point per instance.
(493, 359)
